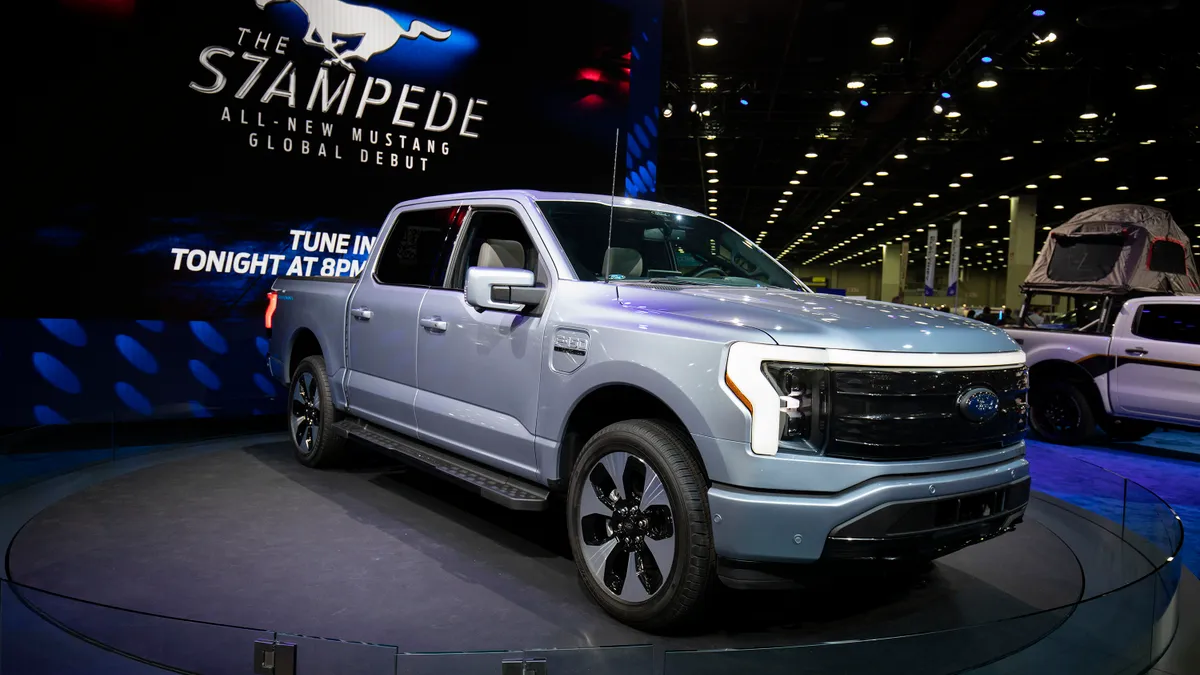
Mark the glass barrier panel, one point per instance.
(38, 626)
(324, 656)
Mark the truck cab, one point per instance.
(1125, 365)
(705, 417)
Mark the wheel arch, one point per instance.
(606, 404)
(303, 344)
(1070, 371)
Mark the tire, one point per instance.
(1123, 430)
(1060, 412)
(674, 522)
(311, 415)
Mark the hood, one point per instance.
(823, 321)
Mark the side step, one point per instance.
(505, 490)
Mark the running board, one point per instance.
(505, 490)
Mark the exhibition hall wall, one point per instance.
(174, 158)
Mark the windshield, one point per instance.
(659, 247)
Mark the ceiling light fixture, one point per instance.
(693, 108)
(883, 37)
(1006, 158)
(1085, 199)
(1100, 159)
(712, 192)
(787, 192)
(711, 171)
(1122, 187)
(1160, 178)
(881, 173)
(793, 182)
(668, 111)
(1089, 112)
(1055, 176)
(934, 196)
(708, 84)
(855, 194)
(836, 111)
(967, 175)
(1059, 207)
(868, 183)
(900, 155)
(855, 83)
(1160, 199)
(987, 79)
(804, 172)
(714, 180)
(710, 153)
(811, 154)
(707, 38)
(1145, 84)
(954, 185)
(1031, 186)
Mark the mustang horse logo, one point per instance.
(378, 30)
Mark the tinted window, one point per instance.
(1084, 258)
(1167, 256)
(418, 248)
(1173, 323)
(506, 236)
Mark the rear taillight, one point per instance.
(272, 302)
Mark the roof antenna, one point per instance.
(606, 264)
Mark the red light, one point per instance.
(272, 302)
(590, 74)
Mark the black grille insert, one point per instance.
(905, 414)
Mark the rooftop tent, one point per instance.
(1116, 249)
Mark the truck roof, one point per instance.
(538, 195)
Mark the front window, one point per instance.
(659, 247)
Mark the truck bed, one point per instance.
(310, 305)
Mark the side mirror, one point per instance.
(504, 289)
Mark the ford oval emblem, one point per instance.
(979, 404)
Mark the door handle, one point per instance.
(434, 323)
(1136, 351)
(361, 313)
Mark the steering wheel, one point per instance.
(711, 268)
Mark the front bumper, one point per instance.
(887, 517)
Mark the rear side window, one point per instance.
(1167, 256)
(1085, 258)
(418, 248)
(1170, 323)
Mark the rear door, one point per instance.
(478, 371)
(382, 327)
(1156, 354)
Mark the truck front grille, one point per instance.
(903, 414)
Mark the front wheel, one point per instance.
(639, 525)
(1061, 413)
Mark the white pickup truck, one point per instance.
(1127, 368)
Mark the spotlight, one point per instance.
(1006, 158)
(881, 173)
(804, 172)
(1145, 84)
(743, 101)
(953, 114)
(855, 83)
(710, 153)
(1055, 176)
(708, 84)
(837, 111)
(986, 59)
(937, 108)
(900, 155)
(1160, 178)
(1039, 12)
(706, 113)
(811, 154)
(945, 94)
(1031, 186)
(954, 185)
(668, 111)
(863, 102)
(883, 37)
(868, 183)
(987, 79)
(1089, 112)
(692, 108)
(1101, 158)
(710, 171)
(1122, 187)
(707, 38)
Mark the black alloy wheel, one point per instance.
(311, 415)
(1061, 413)
(639, 525)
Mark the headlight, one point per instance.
(803, 403)
(788, 400)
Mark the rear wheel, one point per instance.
(639, 525)
(311, 415)
(1125, 430)
(1061, 413)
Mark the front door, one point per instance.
(382, 327)
(1156, 351)
(478, 371)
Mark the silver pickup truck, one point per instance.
(703, 414)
